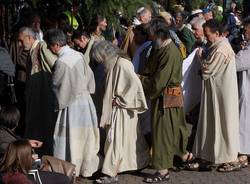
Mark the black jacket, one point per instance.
(6, 137)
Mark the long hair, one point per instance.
(18, 157)
(103, 51)
(96, 19)
(158, 28)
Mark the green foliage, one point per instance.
(167, 4)
(193, 4)
(111, 8)
(107, 8)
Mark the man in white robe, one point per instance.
(243, 71)
(76, 136)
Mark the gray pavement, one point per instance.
(188, 177)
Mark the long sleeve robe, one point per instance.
(40, 114)
(169, 130)
(128, 45)
(217, 136)
(76, 135)
(125, 147)
(243, 71)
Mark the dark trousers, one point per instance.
(51, 178)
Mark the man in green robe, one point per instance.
(169, 131)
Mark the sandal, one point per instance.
(107, 180)
(157, 178)
(243, 160)
(198, 164)
(190, 163)
(192, 166)
(229, 167)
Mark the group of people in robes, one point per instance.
(135, 101)
(221, 129)
(76, 133)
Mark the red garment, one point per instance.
(15, 178)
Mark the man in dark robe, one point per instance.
(40, 115)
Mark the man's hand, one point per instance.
(200, 52)
(139, 76)
(35, 143)
(115, 42)
(243, 44)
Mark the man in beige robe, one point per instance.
(125, 147)
(217, 137)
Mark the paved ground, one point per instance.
(188, 177)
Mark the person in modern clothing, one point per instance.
(9, 118)
(17, 162)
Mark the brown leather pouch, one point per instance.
(173, 97)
